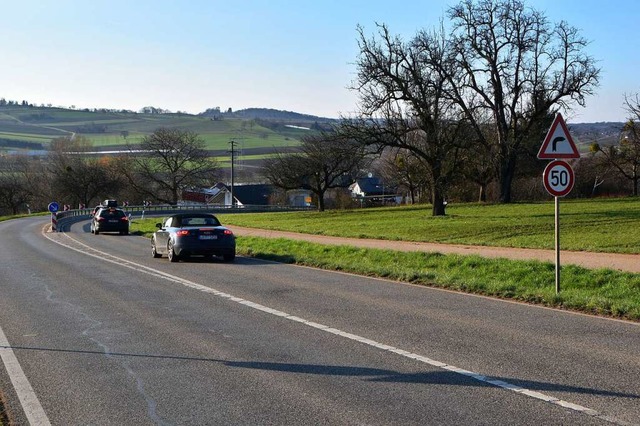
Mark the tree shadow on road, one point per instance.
(438, 377)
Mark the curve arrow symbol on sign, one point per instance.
(554, 144)
(558, 142)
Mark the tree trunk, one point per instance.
(482, 196)
(596, 184)
(321, 202)
(507, 173)
(174, 196)
(438, 203)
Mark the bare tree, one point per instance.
(625, 157)
(170, 161)
(78, 178)
(15, 191)
(404, 90)
(403, 169)
(479, 167)
(323, 162)
(517, 69)
(632, 106)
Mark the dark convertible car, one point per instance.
(197, 234)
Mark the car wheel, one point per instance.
(173, 257)
(229, 257)
(154, 251)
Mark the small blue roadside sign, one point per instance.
(53, 207)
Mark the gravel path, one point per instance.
(621, 262)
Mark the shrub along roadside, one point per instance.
(601, 292)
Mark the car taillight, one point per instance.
(227, 232)
(124, 219)
(182, 233)
(100, 219)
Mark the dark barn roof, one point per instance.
(257, 195)
(248, 194)
(374, 186)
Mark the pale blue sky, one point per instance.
(284, 54)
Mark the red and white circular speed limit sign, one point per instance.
(558, 178)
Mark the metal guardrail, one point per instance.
(66, 218)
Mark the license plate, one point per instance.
(113, 221)
(208, 237)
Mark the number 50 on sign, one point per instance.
(558, 178)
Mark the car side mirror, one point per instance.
(159, 225)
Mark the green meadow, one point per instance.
(602, 225)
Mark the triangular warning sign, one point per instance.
(558, 142)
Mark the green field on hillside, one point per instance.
(105, 129)
(31, 137)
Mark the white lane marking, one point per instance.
(28, 399)
(473, 375)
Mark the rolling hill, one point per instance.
(604, 133)
(32, 128)
(257, 130)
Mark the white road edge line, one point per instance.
(473, 375)
(28, 399)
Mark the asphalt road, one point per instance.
(98, 332)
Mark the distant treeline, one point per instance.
(263, 114)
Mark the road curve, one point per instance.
(104, 334)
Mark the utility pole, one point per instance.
(233, 154)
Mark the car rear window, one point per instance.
(200, 221)
(112, 213)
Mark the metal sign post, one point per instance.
(557, 235)
(558, 177)
(53, 208)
